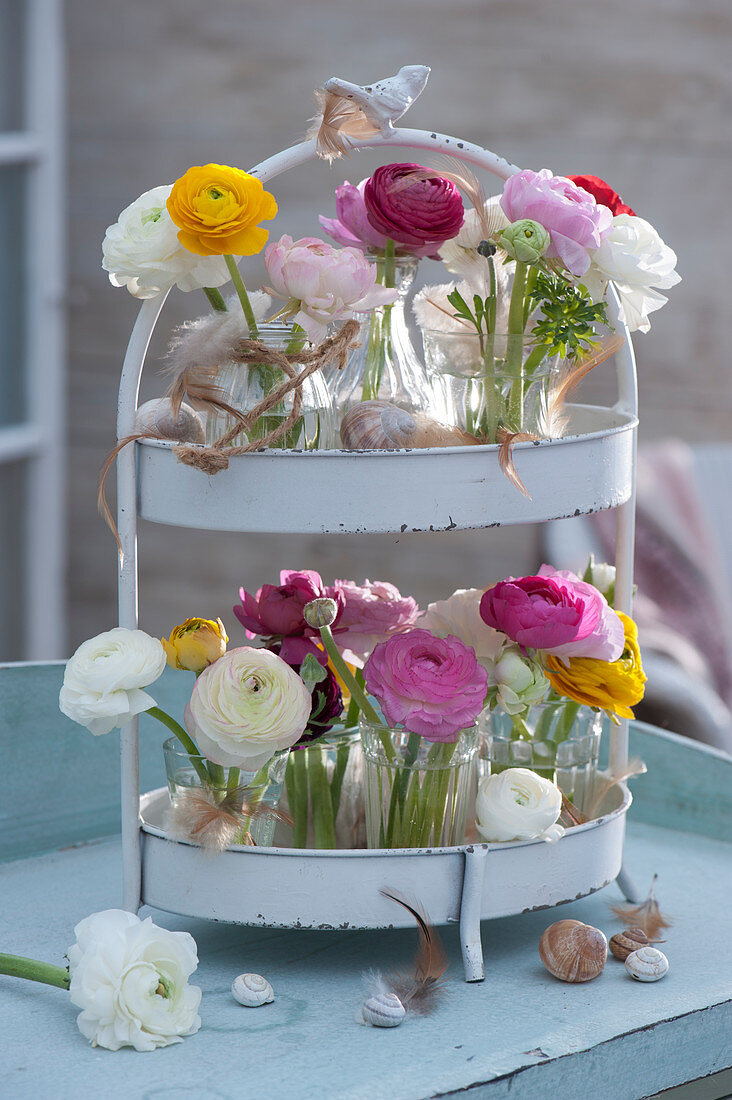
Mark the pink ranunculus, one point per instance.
(432, 686)
(535, 612)
(351, 226)
(418, 216)
(373, 611)
(322, 283)
(570, 214)
(276, 611)
(607, 640)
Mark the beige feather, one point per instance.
(200, 815)
(420, 986)
(338, 119)
(506, 440)
(553, 419)
(647, 916)
(571, 815)
(605, 783)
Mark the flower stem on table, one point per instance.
(17, 966)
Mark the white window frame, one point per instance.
(39, 441)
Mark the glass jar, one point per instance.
(235, 790)
(324, 794)
(417, 792)
(244, 386)
(489, 382)
(385, 366)
(558, 740)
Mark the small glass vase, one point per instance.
(385, 366)
(243, 790)
(244, 386)
(417, 792)
(558, 740)
(324, 794)
(490, 382)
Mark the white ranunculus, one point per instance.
(103, 680)
(515, 681)
(245, 707)
(636, 260)
(518, 804)
(460, 254)
(142, 252)
(460, 615)
(130, 978)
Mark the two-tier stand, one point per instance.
(452, 488)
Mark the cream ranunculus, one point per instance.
(515, 681)
(635, 259)
(130, 978)
(460, 615)
(518, 804)
(245, 707)
(103, 680)
(142, 252)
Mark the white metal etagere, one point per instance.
(436, 489)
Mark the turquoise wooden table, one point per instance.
(519, 1034)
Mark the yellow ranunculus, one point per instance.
(195, 644)
(613, 686)
(218, 210)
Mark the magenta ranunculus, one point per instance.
(276, 612)
(418, 216)
(373, 611)
(555, 612)
(607, 640)
(432, 686)
(571, 216)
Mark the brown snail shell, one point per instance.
(381, 426)
(157, 416)
(573, 951)
(624, 943)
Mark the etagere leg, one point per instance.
(470, 906)
(627, 887)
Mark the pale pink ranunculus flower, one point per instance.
(372, 612)
(634, 257)
(351, 226)
(574, 220)
(322, 283)
(432, 686)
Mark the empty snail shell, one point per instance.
(252, 990)
(572, 951)
(383, 1010)
(157, 416)
(647, 964)
(381, 426)
(624, 943)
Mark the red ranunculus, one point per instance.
(427, 212)
(602, 193)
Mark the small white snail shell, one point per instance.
(157, 416)
(381, 426)
(647, 964)
(252, 990)
(383, 1010)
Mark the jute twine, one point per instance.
(334, 349)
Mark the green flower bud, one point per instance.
(320, 612)
(515, 681)
(525, 240)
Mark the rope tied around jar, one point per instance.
(334, 349)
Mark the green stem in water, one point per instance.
(233, 781)
(320, 801)
(34, 971)
(241, 292)
(296, 780)
(216, 299)
(515, 346)
(187, 742)
(565, 722)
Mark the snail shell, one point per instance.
(647, 964)
(383, 1010)
(157, 416)
(252, 990)
(381, 426)
(572, 951)
(624, 943)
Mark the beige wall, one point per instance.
(636, 91)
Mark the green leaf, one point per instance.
(312, 672)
